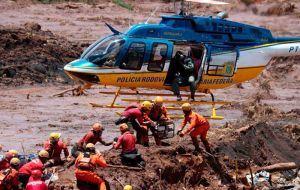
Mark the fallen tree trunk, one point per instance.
(125, 167)
(278, 167)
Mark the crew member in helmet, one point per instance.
(36, 183)
(158, 111)
(199, 126)
(54, 146)
(183, 75)
(4, 164)
(37, 164)
(86, 164)
(93, 136)
(10, 180)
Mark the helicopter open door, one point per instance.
(221, 60)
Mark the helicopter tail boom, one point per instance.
(288, 48)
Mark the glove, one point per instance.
(179, 131)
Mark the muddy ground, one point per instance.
(38, 39)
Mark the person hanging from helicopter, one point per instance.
(183, 75)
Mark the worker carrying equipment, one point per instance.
(9, 177)
(86, 163)
(54, 146)
(93, 136)
(198, 127)
(36, 164)
(129, 154)
(36, 183)
(4, 164)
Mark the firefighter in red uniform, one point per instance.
(4, 164)
(93, 136)
(86, 163)
(36, 164)
(10, 180)
(54, 147)
(198, 127)
(36, 183)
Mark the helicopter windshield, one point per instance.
(105, 53)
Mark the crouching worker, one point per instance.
(198, 127)
(86, 163)
(54, 146)
(10, 176)
(36, 183)
(36, 164)
(93, 136)
(129, 154)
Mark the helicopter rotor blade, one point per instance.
(214, 2)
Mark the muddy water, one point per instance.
(29, 114)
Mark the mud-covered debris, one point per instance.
(30, 54)
(281, 9)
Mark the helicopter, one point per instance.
(226, 53)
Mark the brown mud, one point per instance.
(32, 57)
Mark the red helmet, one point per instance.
(36, 174)
(8, 156)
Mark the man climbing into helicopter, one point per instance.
(183, 74)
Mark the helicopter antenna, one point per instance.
(153, 12)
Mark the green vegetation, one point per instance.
(123, 4)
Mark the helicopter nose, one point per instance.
(83, 70)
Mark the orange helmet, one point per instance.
(123, 127)
(97, 127)
(186, 107)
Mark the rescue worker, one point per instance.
(133, 116)
(36, 164)
(158, 111)
(14, 153)
(126, 141)
(93, 136)
(36, 183)
(183, 75)
(148, 124)
(54, 146)
(10, 180)
(4, 164)
(198, 127)
(86, 163)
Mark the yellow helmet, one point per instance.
(147, 105)
(186, 107)
(43, 154)
(97, 127)
(127, 187)
(15, 161)
(54, 136)
(90, 146)
(123, 127)
(14, 152)
(159, 100)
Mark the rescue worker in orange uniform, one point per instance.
(86, 163)
(10, 180)
(54, 146)
(93, 136)
(198, 127)
(36, 183)
(148, 124)
(37, 164)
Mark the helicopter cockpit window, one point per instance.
(105, 53)
(222, 61)
(134, 57)
(158, 57)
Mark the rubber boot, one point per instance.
(196, 144)
(206, 145)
